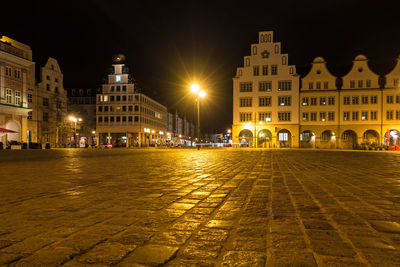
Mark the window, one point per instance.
(360, 83)
(389, 99)
(264, 116)
(284, 85)
(111, 118)
(352, 84)
(118, 88)
(264, 86)
(30, 115)
(331, 116)
(100, 119)
(48, 87)
(112, 88)
(346, 100)
(313, 116)
(8, 71)
(118, 98)
(389, 115)
(368, 83)
(395, 82)
(346, 115)
(322, 116)
(246, 87)
(276, 49)
(45, 116)
(254, 50)
(256, 70)
(313, 101)
(283, 136)
(246, 101)
(364, 99)
(397, 99)
(364, 115)
(136, 118)
(325, 136)
(310, 85)
(129, 118)
(326, 85)
(56, 89)
(397, 114)
(264, 101)
(305, 101)
(318, 85)
(284, 100)
(130, 108)
(118, 118)
(105, 108)
(118, 78)
(48, 77)
(305, 116)
(56, 80)
(284, 60)
(265, 70)
(283, 116)
(354, 100)
(331, 100)
(45, 101)
(373, 115)
(123, 108)
(245, 116)
(130, 98)
(112, 98)
(322, 101)
(124, 89)
(17, 98)
(29, 98)
(374, 99)
(123, 118)
(354, 116)
(100, 108)
(17, 74)
(136, 108)
(124, 98)
(274, 70)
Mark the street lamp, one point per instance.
(75, 120)
(195, 88)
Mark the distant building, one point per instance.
(266, 97)
(82, 104)
(48, 101)
(17, 78)
(126, 117)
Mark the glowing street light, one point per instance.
(195, 88)
(75, 120)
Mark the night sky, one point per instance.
(169, 44)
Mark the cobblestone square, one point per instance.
(183, 207)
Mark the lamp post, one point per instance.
(195, 88)
(75, 120)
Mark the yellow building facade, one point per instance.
(265, 98)
(360, 109)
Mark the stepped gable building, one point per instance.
(125, 117)
(17, 78)
(266, 97)
(48, 118)
(319, 107)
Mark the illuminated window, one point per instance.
(17, 98)
(364, 115)
(305, 101)
(265, 86)
(283, 136)
(284, 100)
(331, 116)
(322, 101)
(305, 116)
(346, 116)
(118, 78)
(373, 115)
(322, 116)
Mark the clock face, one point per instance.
(265, 54)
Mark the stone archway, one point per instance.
(264, 139)
(307, 139)
(371, 137)
(349, 139)
(328, 139)
(284, 138)
(392, 137)
(246, 138)
(14, 126)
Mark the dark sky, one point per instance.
(168, 44)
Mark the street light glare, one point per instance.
(202, 94)
(195, 88)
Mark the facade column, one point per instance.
(109, 138)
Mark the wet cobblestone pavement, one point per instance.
(199, 208)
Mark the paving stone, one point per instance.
(244, 258)
(151, 254)
(339, 249)
(386, 226)
(249, 244)
(292, 259)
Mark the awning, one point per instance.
(2, 130)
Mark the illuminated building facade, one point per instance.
(125, 117)
(17, 77)
(265, 97)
